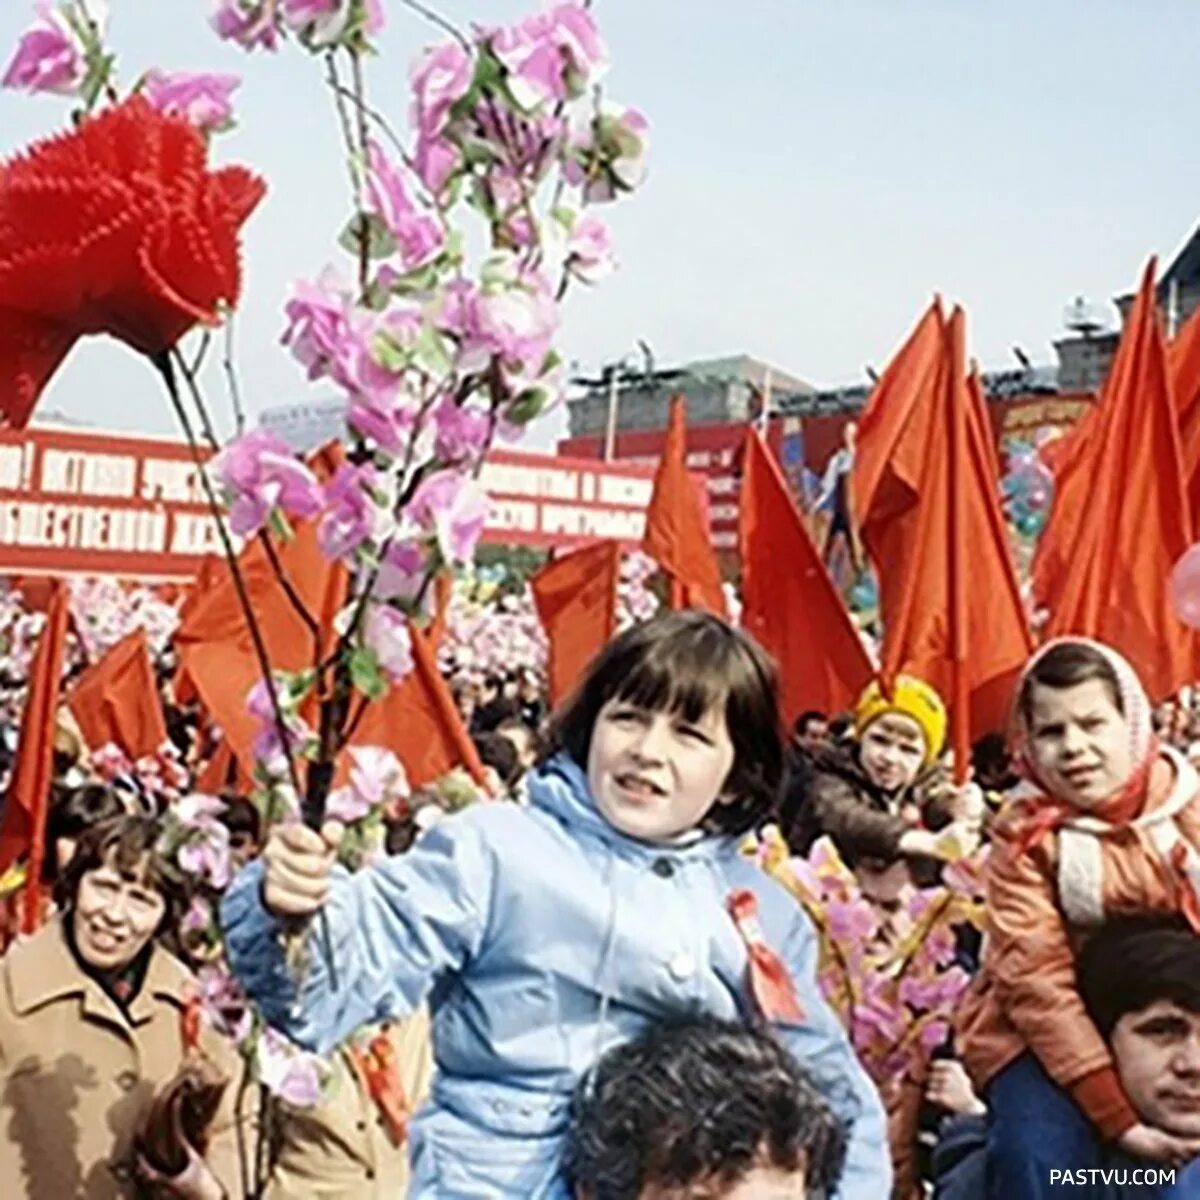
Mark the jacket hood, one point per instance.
(559, 787)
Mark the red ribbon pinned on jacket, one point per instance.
(189, 1023)
(381, 1071)
(772, 986)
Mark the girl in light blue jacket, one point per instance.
(540, 936)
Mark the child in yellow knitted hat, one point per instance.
(867, 794)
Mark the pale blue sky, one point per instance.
(818, 169)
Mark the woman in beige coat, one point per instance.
(354, 1144)
(95, 1020)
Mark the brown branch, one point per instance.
(201, 352)
(285, 583)
(340, 94)
(289, 590)
(364, 225)
(164, 364)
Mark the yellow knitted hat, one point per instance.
(914, 698)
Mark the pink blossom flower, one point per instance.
(50, 57)
(198, 97)
(934, 1033)
(940, 945)
(249, 23)
(324, 22)
(386, 632)
(608, 156)
(268, 746)
(110, 762)
(852, 921)
(589, 250)
(455, 508)
(260, 473)
(419, 237)
(388, 420)
(205, 856)
(401, 571)
(199, 916)
(224, 1002)
(435, 160)
(459, 316)
(462, 432)
(551, 56)
(319, 326)
(288, 1072)
(376, 779)
(440, 79)
(519, 321)
(349, 513)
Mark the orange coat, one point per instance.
(1040, 906)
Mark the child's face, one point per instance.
(654, 775)
(892, 749)
(1079, 742)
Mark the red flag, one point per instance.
(789, 603)
(1135, 522)
(443, 592)
(220, 773)
(420, 723)
(925, 480)
(576, 598)
(23, 827)
(116, 700)
(1183, 364)
(677, 535)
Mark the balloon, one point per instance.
(1185, 587)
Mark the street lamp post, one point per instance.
(610, 426)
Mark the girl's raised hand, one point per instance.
(298, 864)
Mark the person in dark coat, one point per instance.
(883, 794)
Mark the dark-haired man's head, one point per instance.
(810, 730)
(244, 822)
(498, 754)
(524, 741)
(702, 1108)
(992, 763)
(1140, 981)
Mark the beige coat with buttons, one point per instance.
(79, 1075)
(340, 1149)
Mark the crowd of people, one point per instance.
(597, 979)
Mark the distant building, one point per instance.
(1086, 356)
(717, 390)
(306, 425)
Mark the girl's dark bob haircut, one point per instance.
(130, 845)
(1064, 666)
(689, 663)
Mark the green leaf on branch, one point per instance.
(424, 279)
(365, 673)
(380, 243)
(99, 69)
(566, 217)
(527, 406)
(279, 525)
(430, 352)
(389, 353)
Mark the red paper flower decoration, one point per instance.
(117, 227)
